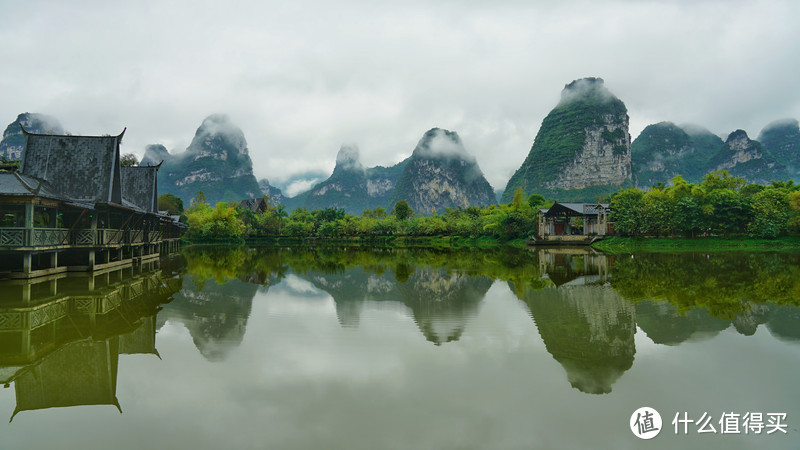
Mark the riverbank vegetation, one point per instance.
(720, 207)
(472, 226)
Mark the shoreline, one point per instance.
(617, 245)
(610, 245)
(456, 242)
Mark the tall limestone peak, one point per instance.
(347, 186)
(14, 142)
(441, 174)
(582, 149)
(218, 138)
(782, 139)
(347, 160)
(439, 143)
(154, 154)
(216, 162)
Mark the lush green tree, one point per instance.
(128, 160)
(658, 213)
(170, 203)
(721, 179)
(794, 204)
(377, 213)
(200, 198)
(536, 201)
(402, 210)
(517, 200)
(626, 211)
(770, 213)
(689, 217)
(219, 222)
(731, 211)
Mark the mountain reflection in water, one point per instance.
(60, 338)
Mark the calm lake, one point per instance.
(333, 348)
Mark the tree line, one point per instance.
(721, 204)
(504, 222)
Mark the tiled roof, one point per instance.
(13, 183)
(79, 167)
(139, 187)
(578, 208)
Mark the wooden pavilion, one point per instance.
(71, 207)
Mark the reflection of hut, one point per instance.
(574, 266)
(79, 373)
(573, 223)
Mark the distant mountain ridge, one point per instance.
(439, 174)
(351, 186)
(664, 150)
(582, 151)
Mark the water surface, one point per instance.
(366, 349)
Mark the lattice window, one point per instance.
(84, 237)
(84, 305)
(10, 321)
(11, 238)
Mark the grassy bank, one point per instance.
(376, 241)
(708, 244)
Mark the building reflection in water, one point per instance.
(61, 336)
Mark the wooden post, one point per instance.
(27, 239)
(26, 293)
(27, 262)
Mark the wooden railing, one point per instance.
(47, 237)
(12, 237)
(55, 237)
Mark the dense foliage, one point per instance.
(170, 203)
(721, 204)
(503, 222)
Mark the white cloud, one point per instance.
(300, 78)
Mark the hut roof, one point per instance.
(575, 209)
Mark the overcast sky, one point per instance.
(303, 77)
